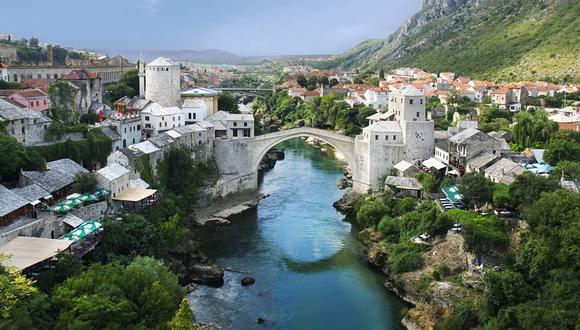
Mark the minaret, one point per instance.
(141, 76)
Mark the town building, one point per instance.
(469, 144)
(156, 119)
(3, 71)
(162, 82)
(34, 99)
(12, 206)
(89, 94)
(58, 178)
(236, 126)
(195, 110)
(208, 96)
(504, 171)
(404, 186)
(509, 97)
(27, 126)
(113, 177)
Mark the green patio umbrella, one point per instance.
(100, 193)
(82, 231)
(87, 198)
(61, 208)
(73, 196)
(71, 202)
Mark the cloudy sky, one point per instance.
(244, 27)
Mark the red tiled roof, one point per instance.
(80, 75)
(315, 92)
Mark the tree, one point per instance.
(561, 150)
(62, 101)
(476, 189)
(323, 80)
(301, 80)
(118, 90)
(144, 293)
(9, 85)
(85, 182)
(382, 73)
(311, 83)
(227, 103)
(14, 156)
(532, 128)
(14, 288)
(528, 187)
(371, 212)
(333, 82)
(184, 318)
(570, 169)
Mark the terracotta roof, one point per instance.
(30, 93)
(315, 92)
(81, 74)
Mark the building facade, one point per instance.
(162, 82)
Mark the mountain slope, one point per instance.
(493, 39)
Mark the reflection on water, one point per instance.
(308, 265)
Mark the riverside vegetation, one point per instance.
(535, 285)
(132, 278)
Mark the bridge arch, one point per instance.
(263, 143)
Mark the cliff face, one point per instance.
(481, 38)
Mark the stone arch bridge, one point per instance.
(263, 143)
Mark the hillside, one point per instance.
(490, 39)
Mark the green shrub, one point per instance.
(404, 257)
(370, 212)
(481, 233)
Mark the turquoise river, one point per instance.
(309, 268)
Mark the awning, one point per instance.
(23, 252)
(452, 193)
(134, 194)
(432, 162)
(81, 231)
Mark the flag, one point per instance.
(101, 116)
(131, 109)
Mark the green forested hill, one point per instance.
(488, 39)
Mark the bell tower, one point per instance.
(141, 67)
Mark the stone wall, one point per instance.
(92, 212)
(235, 157)
(46, 227)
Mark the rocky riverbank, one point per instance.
(429, 290)
(269, 161)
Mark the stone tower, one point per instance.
(403, 133)
(162, 84)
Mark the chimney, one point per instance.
(49, 58)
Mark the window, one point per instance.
(194, 116)
(417, 114)
(37, 103)
(165, 124)
(138, 127)
(125, 130)
(421, 101)
(147, 118)
(246, 132)
(376, 137)
(246, 124)
(162, 118)
(24, 130)
(494, 152)
(386, 138)
(411, 101)
(235, 123)
(189, 115)
(235, 132)
(394, 137)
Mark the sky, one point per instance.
(243, 27)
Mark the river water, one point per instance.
(309, 267)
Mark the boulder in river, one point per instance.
(261, 320)
(248, 281)
(206, 274)
(343, 183)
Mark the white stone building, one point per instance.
(236, 126)
(162, 82)
(195, 110)
(113, 177)
(156, 119)
(405, 134)
(377, 98)
(190, 103)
